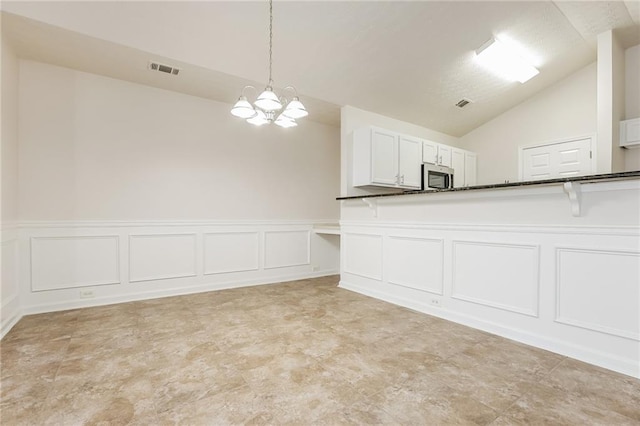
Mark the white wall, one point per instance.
(9, 306)
(130, 192)
(95, 148)
(632, 100)
(564, 110)
(353, 118)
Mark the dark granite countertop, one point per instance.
(580, 179)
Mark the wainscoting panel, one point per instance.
(9, 302)
(62, 265)
(516, 263)
(74, 261)
(415, 263)
(613, 305)
(363, 255)
(503, 276)
(231, 252)
(286, 249)
(161, 256)
(9, 285)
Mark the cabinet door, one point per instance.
(470, 169)
(630, 133)
(457, 164)
(409, 162)
(444, 155)
(384, 157)
(430, 152)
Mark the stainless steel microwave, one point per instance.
(436, 177)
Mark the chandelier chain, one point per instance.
(270, 40)
(265, 109)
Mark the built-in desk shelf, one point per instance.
(327, 228)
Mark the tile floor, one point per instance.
(302, 352)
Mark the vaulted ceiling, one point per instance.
(407, 60)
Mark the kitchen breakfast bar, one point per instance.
(554, 263)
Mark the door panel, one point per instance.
(384, 160)
(430, 152)
(409, 162)
(457, 164)
(444, 155)
(563, 159)
(574, 158)
(537, 164)
(470, 169)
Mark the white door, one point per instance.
(457, 164)
(409, 162)
(557, 160)
(430, 152)
(444, 155)
(384, 159)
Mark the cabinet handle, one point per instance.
(440, 160)
(436, 162)
(402, 179)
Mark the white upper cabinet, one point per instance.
(430, 152)
(464, 165)
(630, 133)
(444, 155)
(385, 158)
(470, 169)
(435, 153)
(410, 162)
(457, 164)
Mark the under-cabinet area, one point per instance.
(390, 159)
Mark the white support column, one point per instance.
(611, 100)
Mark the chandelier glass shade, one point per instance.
(243, 108)
(268, 101)
(265, 108)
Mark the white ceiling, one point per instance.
(407, 60)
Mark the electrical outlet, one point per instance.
(315, 268)
(435, 302)
(86, 294)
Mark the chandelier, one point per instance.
(265, 109)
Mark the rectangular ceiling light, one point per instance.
(502, 60)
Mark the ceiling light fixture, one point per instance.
(264, 109)
(504, 61)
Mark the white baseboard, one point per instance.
(622, 365)
(177, 291)
(14, 316)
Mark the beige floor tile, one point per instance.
(360, 413)
(30, 357)
(299, 353)
(238, 406)
(43, 327)
(544, 405)
(598, 387)
(422, 400)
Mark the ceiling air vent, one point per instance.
(463, 102)
(167, 69)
